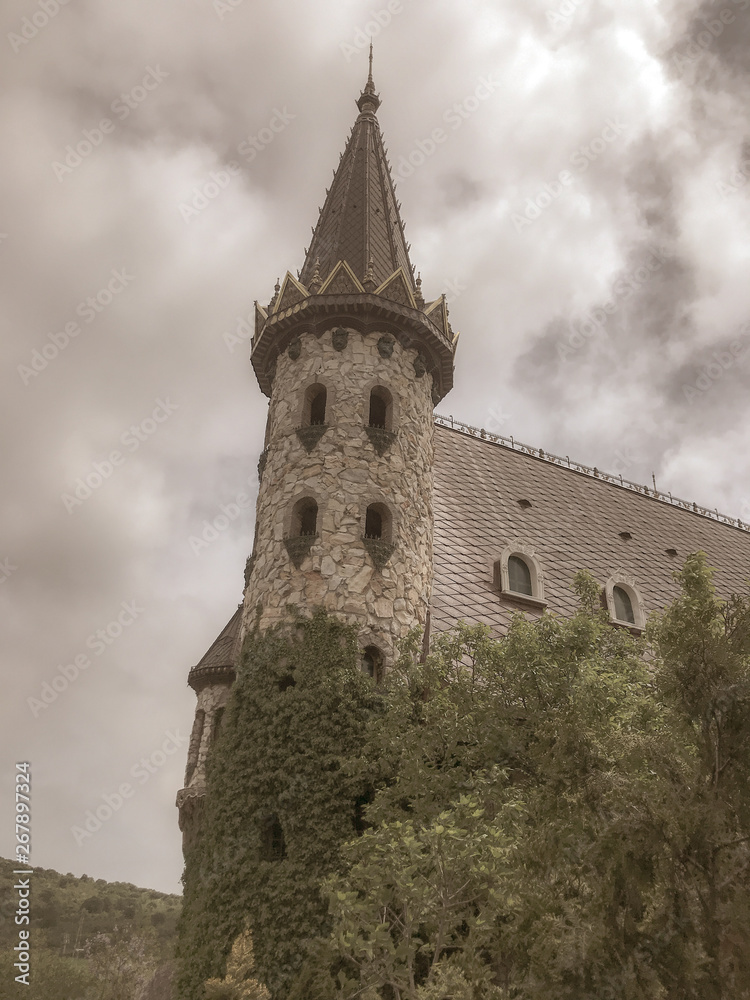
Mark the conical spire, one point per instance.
(368, 99)
(360, 221)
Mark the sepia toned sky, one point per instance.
(586, 210)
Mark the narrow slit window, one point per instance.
(378, 410)
(218, 716)
(372, 662)
(272, 843)
(373, 522)
(305, 517)
(318, 408)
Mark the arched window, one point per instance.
(314, 406)
(378, 534)
(373, 522)
(378, 522)
(519, 576)
(272, 844)
(624, 602)
(381, 408)
(318, 408)
(623, 605)
(302, 525)
(372, 662)
(304, 517)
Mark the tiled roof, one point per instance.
(225, 650)
(574, 522)
(360, 218)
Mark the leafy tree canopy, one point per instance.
(562, 815)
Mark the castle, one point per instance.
(389, 517)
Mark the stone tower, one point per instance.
(353, 361)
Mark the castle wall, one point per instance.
(344, 474)
(212, 698)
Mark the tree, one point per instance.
(121, 967)
(51, 977)
(562, 815)
(238, 983)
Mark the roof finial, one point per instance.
(369, 283)
(368, 99)
(315, 282)
(418, 296)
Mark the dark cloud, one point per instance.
(647, 143)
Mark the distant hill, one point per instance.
(89, 938)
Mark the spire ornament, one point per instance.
(418, 294)
(315, 282)
(370, 283)
(369, 100)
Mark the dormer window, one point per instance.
(624, 602)
(623, 605)
(519, 576)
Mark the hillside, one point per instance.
(108, 939)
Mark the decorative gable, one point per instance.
(291, 293)
(396, 288)
(341, 281)
(438, 313)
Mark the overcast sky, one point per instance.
(586, 209)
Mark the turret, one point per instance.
(353, 361)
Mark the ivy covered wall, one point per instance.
(280, 801)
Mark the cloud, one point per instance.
(197, 86)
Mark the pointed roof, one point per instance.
(360, 221)
(219, 662)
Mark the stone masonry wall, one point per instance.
(211, 698)
(344, 474)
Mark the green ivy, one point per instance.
(293, 727)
